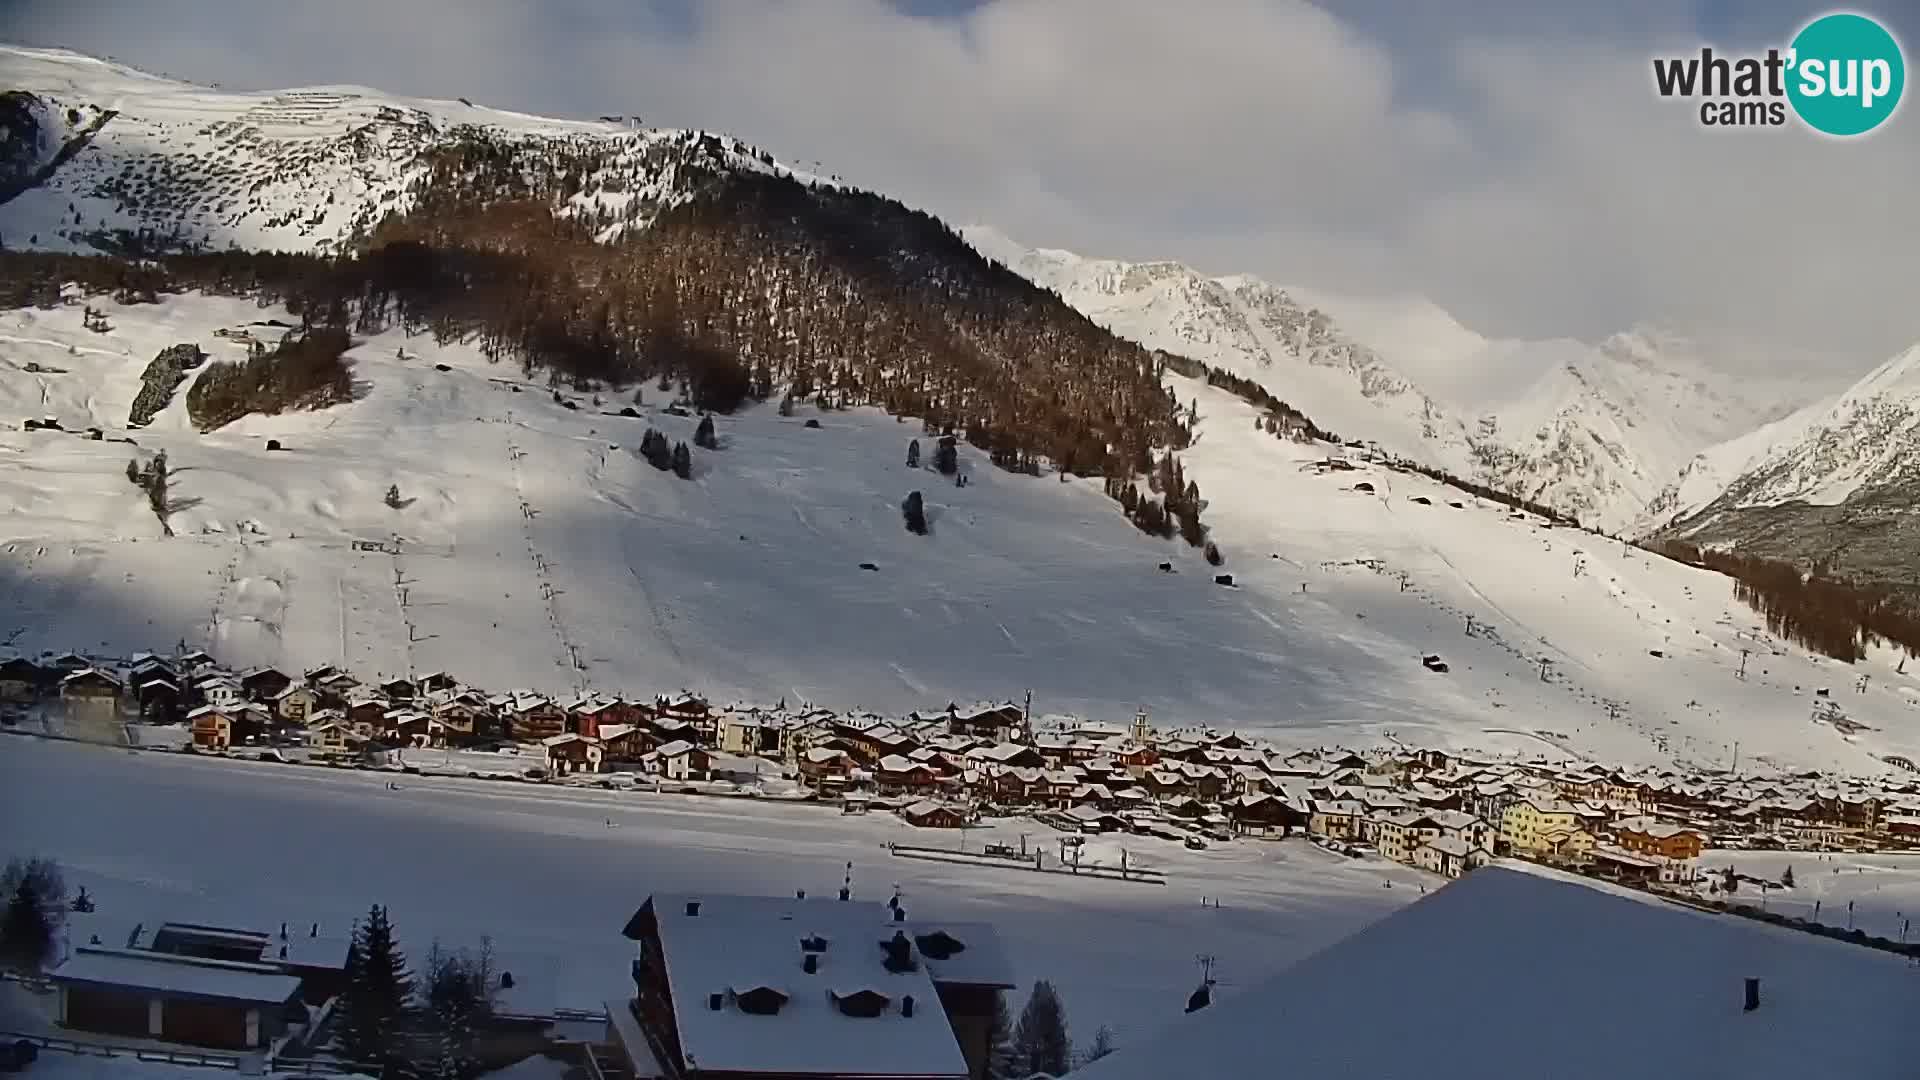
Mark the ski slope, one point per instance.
(536, 549)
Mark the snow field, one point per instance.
(536, 549)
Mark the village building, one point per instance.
(141, 993)
(1652, 836)
(757, 988)
(20, 679)
(1450, 856)
(1540, 825)
(567, 753)
(264, 684)
(677, 760)
(211, 728)
(91, 692)
(295, 702)
(928, 814)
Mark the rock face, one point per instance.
(161, 379)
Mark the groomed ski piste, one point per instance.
(534, 548)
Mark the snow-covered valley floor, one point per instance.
(538, 550)
(162, 836)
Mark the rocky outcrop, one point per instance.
(161, 379)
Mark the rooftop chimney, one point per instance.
(899, 914)
(693, 908)
(810, 963)
(799, 894)
(714, 1001)
(1753, 994)
(906, 1007)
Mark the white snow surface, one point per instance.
(536, 549)
(538, 870)
(1595, 430)
(1506, 973)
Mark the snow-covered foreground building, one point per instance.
(753, 986)
(1507, 973)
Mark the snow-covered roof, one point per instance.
(190, 976)
(737, 943)
(1670, 976)
(981, 960)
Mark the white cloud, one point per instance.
(1531, 183)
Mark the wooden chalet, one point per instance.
(264, 684)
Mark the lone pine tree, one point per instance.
(1040, 1040)
(915, 512)
(378, 990)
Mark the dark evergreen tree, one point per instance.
(946, 455)
(1212, 552)
(36, 903)
(915, 513)
(1000, 1063)
(393, 496)
(374, 1004)
(459, 991)
(703, 435)
(1041, 1043)
(913, 453)
(1786, 877)
(682, 461)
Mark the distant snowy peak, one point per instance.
(1864, 441)
(152, 161)
(1595, 431)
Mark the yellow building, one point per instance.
(1540, 825)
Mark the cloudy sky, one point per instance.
(1506, 158)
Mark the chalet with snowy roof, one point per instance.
(748, 732)
(928, 814)
(20, 679)
(567, 753)
(218, 689)
(1336, 819)
(825, 766)
(398, 689)
(434, 682)
(294, 703)
(1265, 815)
(139, 993)
(1449, 856)
(211, 727)
(898, 774)
(531, 718)
(1003, 722)
(158, 697)
(1654, 836)
(264, 684)
(191, 661)
(758, 988)
(624, 743)
(329, 734)
(677, 760)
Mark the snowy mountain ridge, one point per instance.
(1595, 431)
(161, 163)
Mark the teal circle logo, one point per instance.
(1845, 74)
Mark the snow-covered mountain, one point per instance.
(531, 546)
(1836, 482)
(143, 159)
(1594, 431)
